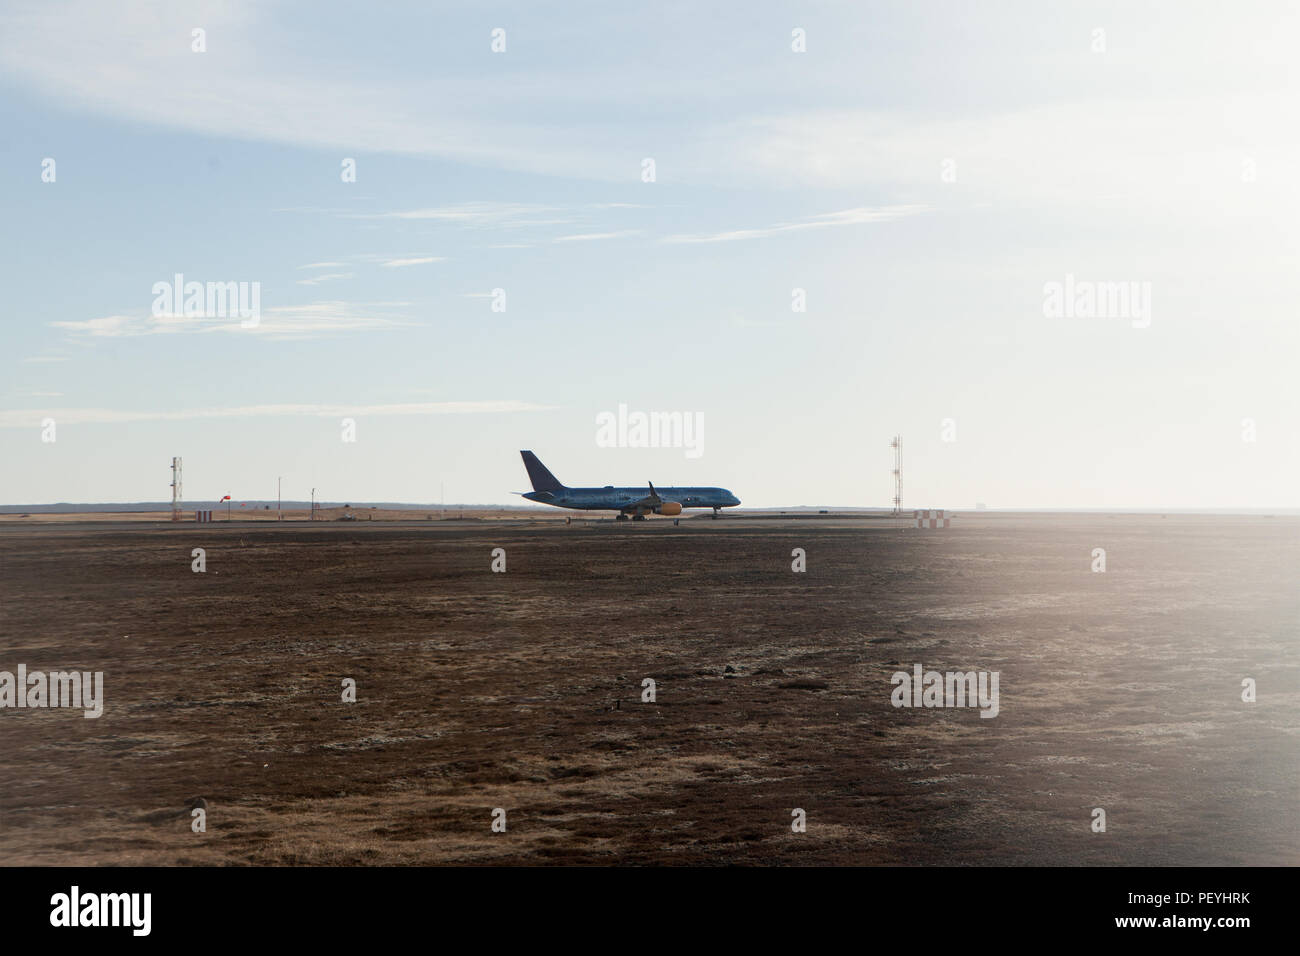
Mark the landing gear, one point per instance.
(638, 517)
(620, 517)
(715, 514)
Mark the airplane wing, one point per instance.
(650, 501)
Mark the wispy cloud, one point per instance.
(43, 359)
(738, 321)
(1030, 141)
(312, 320)
(322, 265)
(325, 277)
(398, 263)
(24, 418)
(323, 318)
(593, 236)
(107, 326)
(475, 214)
(845, 217)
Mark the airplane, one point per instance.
(634, 503)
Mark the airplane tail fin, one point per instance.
(538, 474)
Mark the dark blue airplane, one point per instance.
(635, 503)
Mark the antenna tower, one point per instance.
(176, 489)
(897, 445)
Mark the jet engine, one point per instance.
(669, 508)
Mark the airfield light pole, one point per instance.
(313, 505)
(279, 513)
(897, 445)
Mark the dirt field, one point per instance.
(522, 690)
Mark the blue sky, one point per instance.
(1169, 156)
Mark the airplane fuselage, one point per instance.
(628, 502)
(625, 499)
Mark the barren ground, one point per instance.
(522, 690)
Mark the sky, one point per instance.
(503, 268)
